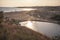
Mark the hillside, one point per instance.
(35, 15)
(16, 32)
(9, 30)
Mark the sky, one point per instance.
(22, 3)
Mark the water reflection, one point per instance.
(28, 9)
(48, 29)
(28, 24)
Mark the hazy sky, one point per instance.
(13, 3)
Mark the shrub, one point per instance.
(56, 17)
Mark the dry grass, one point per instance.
(17, 32)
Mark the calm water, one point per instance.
(13, 9)
(48, 29)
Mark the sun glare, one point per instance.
(28, 24)
(28, 9)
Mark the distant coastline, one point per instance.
(14, 9)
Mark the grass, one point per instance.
(17, 32)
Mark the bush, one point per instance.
(56, 17)
(56, 37)
(1, 16)
(15, 21)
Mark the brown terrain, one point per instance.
(17, 32)
(11, 31)
(35, 15)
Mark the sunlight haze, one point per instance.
(20, 3)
